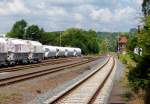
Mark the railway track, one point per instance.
(86, 90)
(45, 63)
(21, 77)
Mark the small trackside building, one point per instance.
(122, 41)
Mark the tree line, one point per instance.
(21, 30)
(73, 37)
(90, 41)
(139, 76)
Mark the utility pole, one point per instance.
(139, 49)
(118, 43)
(60, 39)
(139, 29)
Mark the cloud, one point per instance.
(78, 17)
(41, 5)
(13, 7)
(139, 2)
(55, 11)
(104, 15)
(117, 15)
(55, 15)
(124, 13)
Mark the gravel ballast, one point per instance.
(50, 93)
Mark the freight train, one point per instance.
(17, 51)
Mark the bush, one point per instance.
(124, 58)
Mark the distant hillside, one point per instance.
(111, 38)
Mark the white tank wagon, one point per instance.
(3, 51)
(13, 51)
(36, 50)
(66, 52)
(49, 51)
(77, 52)
(61, 51)
(71, 51)
(18, 51)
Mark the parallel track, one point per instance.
(64, 97)
(21, 77)
(93, 98)
(44, 63)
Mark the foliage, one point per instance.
(33, 32)
(133, 32)
(123, 58)
(104, 46)
(126, 59)
(139, 77)
(144, 37)
(18, 30)
(51, 38)
(111, 39)
(132, 43)
(21, 31)
(89, 41)
(86, 40)
(146, 7)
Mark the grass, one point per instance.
(127, 60)
(5, 95)
(129, 95)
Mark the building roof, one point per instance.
(123, 39)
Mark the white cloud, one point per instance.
(55, 11)
(13, 7)
(119, 14)
(55, 15)
(84, 9)
(103, 15)
(41, 5)
(139, 2)
(124, 13)
(74, 2)
(78, 17)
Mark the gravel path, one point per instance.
(118, 89)
(41, 98)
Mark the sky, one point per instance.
(58, 15)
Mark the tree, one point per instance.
(104, 46)
(33, 32)
(132, 43)
(146, 7)
(86, 40)
(18, 30)
(139, 77)
(50, 38)
(111, 39)
(132, 32)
